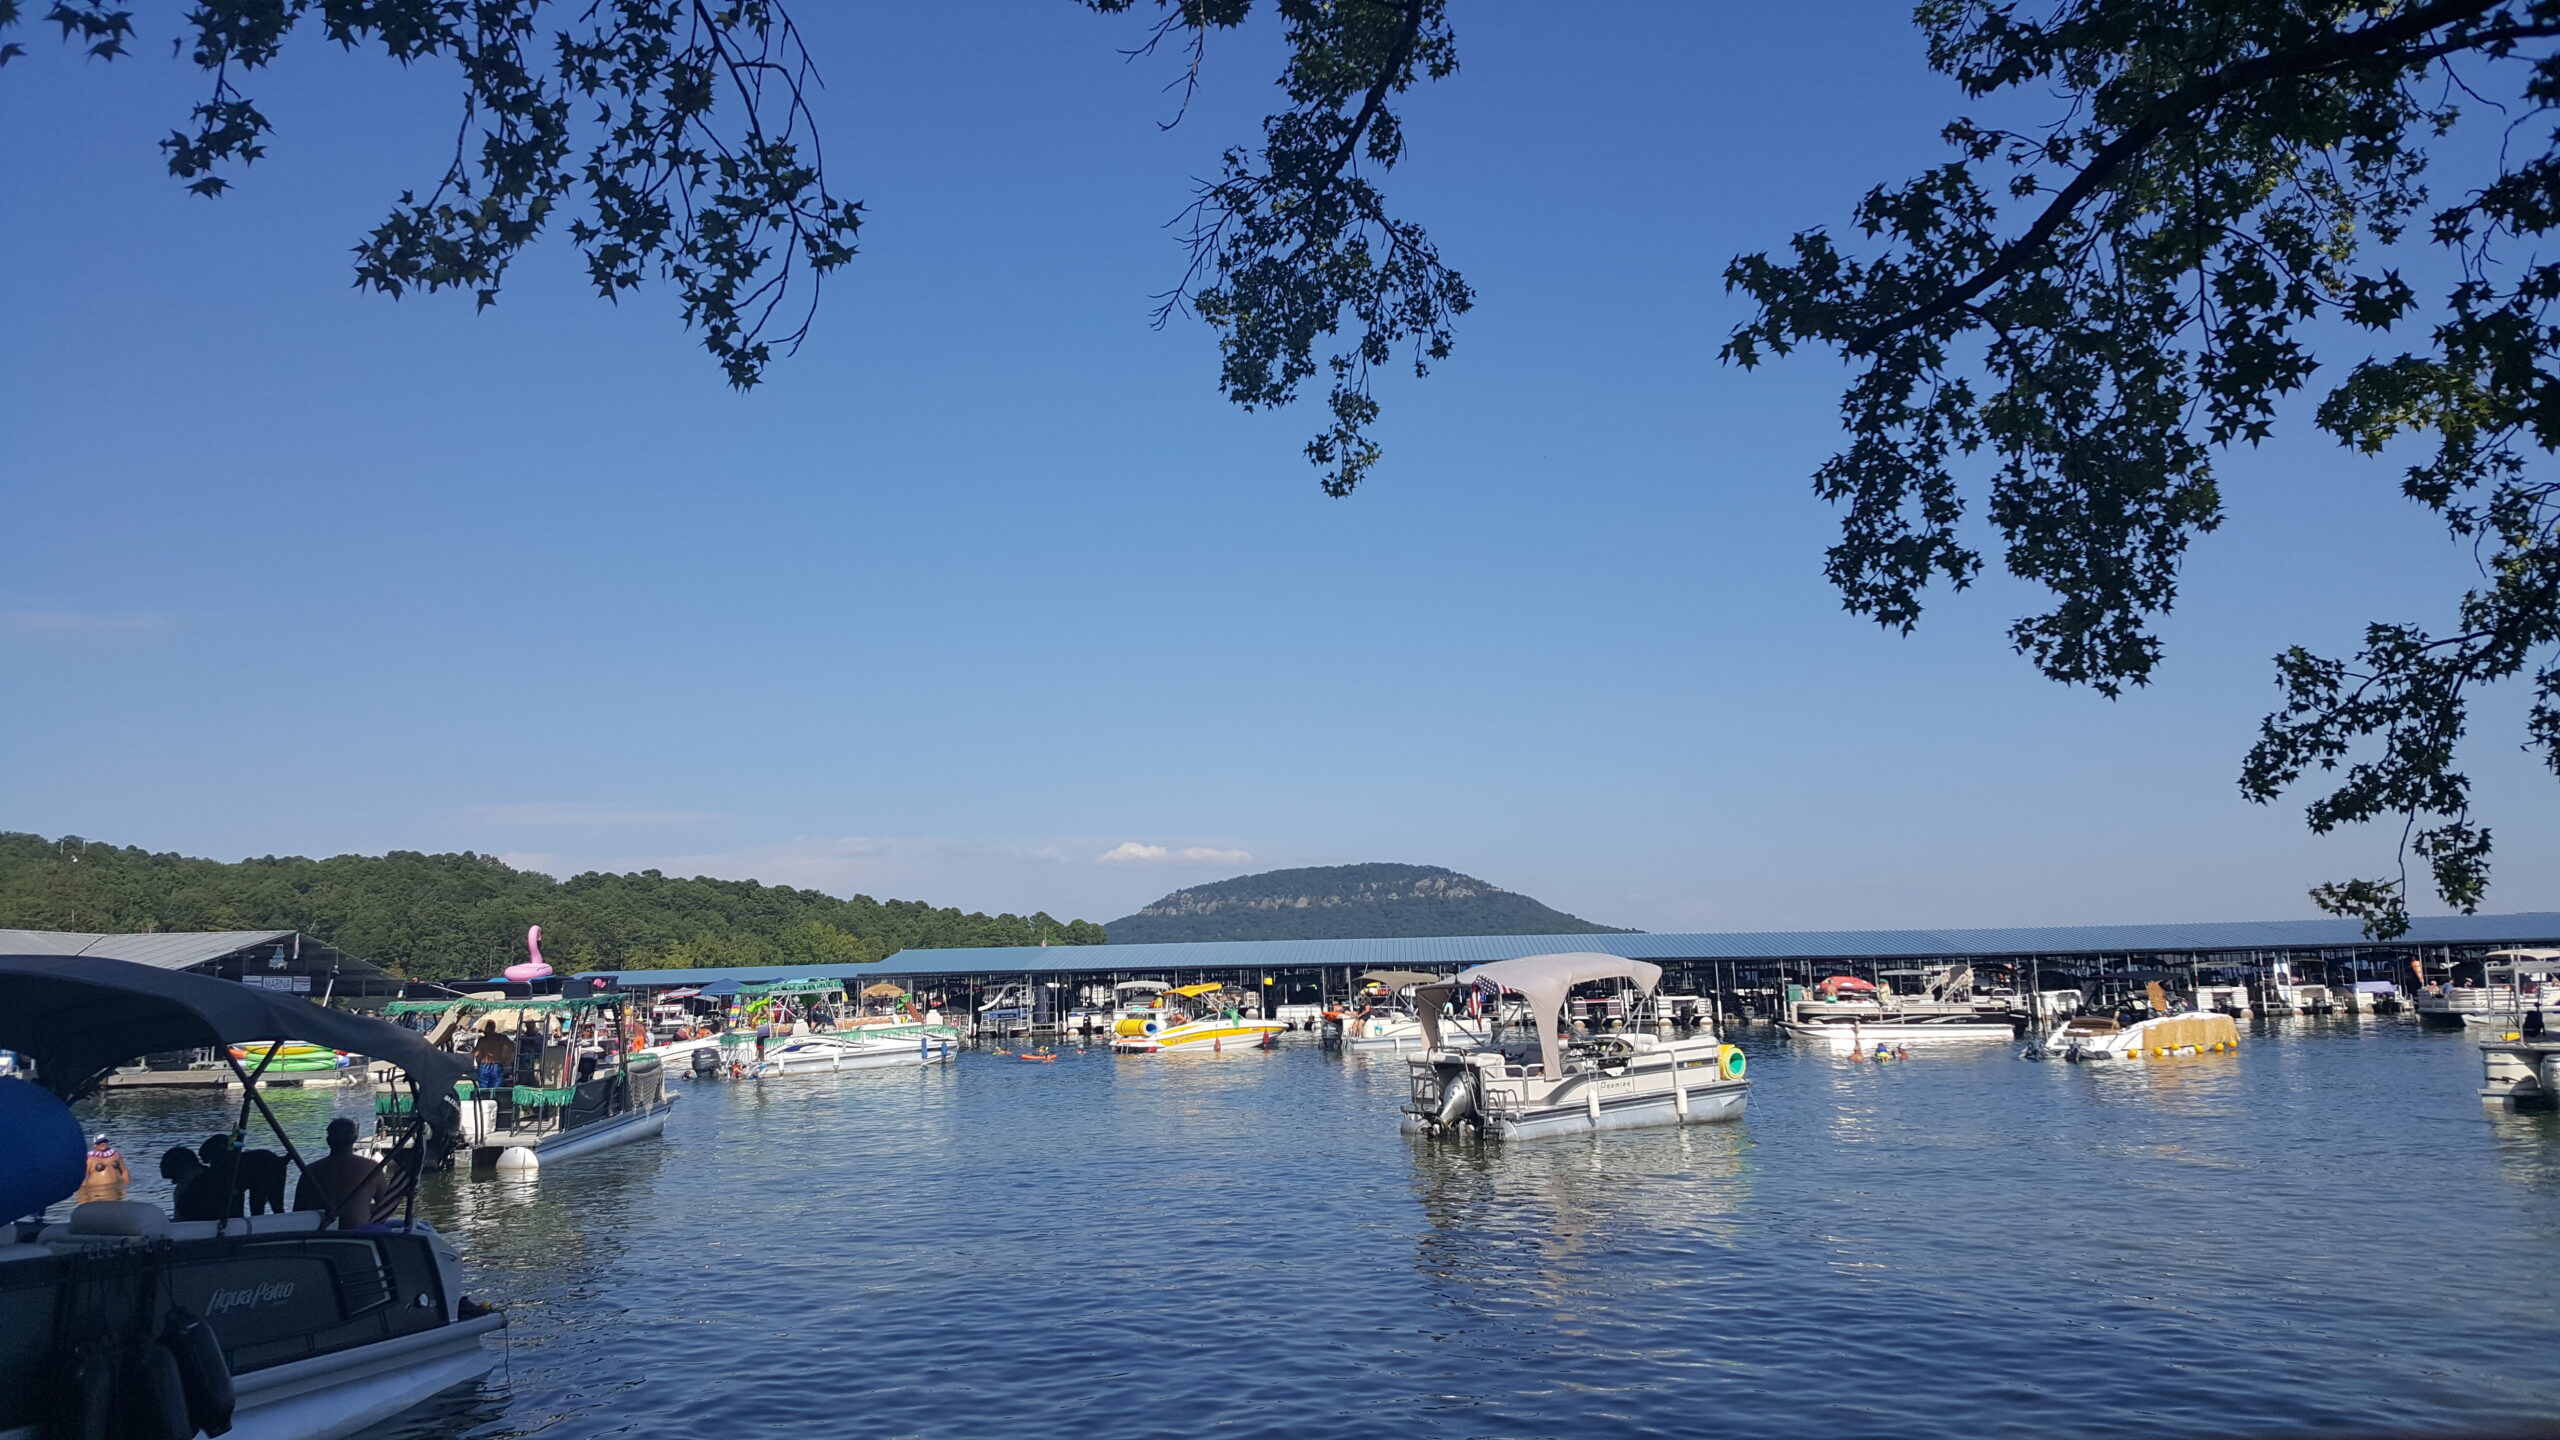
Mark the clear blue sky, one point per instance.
(989, 583)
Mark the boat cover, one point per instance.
(79, 1017)
(1399, 979)
(1543, 980)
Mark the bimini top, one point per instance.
(1197, 990)
(79, 1017)
(1399, 979)
(2522, 955)
(1543, 981)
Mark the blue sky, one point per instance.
(987, 598)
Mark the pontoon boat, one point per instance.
(1558, 1084)
(120, 1320)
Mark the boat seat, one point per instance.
(122, 1220)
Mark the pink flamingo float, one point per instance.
(535, 968)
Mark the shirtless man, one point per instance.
(495, 1053)
(107, 1174)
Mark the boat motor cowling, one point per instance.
(1457, 1096)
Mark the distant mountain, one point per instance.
(1346, 902)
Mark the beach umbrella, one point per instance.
(880, 991)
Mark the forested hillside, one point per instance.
(1346, 902)
(435, 916)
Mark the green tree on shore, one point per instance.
(445, 916)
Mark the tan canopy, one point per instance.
(880, 991)
(1399, 979)
(1541, 979)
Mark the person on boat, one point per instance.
(106, 1175)
(203, 1192)
(494, 1052)
(347, 1185)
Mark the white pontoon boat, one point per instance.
(1848, 1013)
(1558, 1084)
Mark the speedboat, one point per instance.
(1193, 1020)
(865, 1047)
(118, 1319)
(2104, 1037)
(1562, 1085)
(1382, 1016)
(1848, 1013)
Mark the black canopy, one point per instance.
(79, 1017)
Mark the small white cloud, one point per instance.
(66, 622)
(1130, 852)
(563, 813)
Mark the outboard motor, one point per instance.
(706, 1062)
(1457, 1096)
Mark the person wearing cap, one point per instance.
(347, 1185)
(106, 1176)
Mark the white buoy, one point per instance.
(518, 1159)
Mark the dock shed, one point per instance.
(286, 961)
(1742, 968)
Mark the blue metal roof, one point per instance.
(1452, 950)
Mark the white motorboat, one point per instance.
(1382, 1017)
(2103, 1037)
(120, 1320)
(1847, 1013)
(2376, 997)
(1401, 1029)
(2231, 1000)
(864, 1047)
(1194, 1020)
(1558, 1085)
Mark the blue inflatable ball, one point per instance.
(43, 1155)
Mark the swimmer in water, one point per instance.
(106, 1176)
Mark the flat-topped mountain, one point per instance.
(1346, 902)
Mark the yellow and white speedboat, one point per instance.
(1195, 1020)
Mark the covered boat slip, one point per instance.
(1563, 1085)
(120, 1319)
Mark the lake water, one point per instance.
(2323, 1234)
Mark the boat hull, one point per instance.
(1645, 1083)
(2156, 1039)
(1216, 1037)
(554, 1145)
(353, 1391)
(1858, 1035)
(2519, 1074)
(1707, 1104)
(828, 1056)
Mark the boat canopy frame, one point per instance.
(1544, 981)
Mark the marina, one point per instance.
(1920, 1216)
(1564, 1131)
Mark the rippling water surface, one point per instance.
(2325, 1234)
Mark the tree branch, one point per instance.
(2339, 48)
